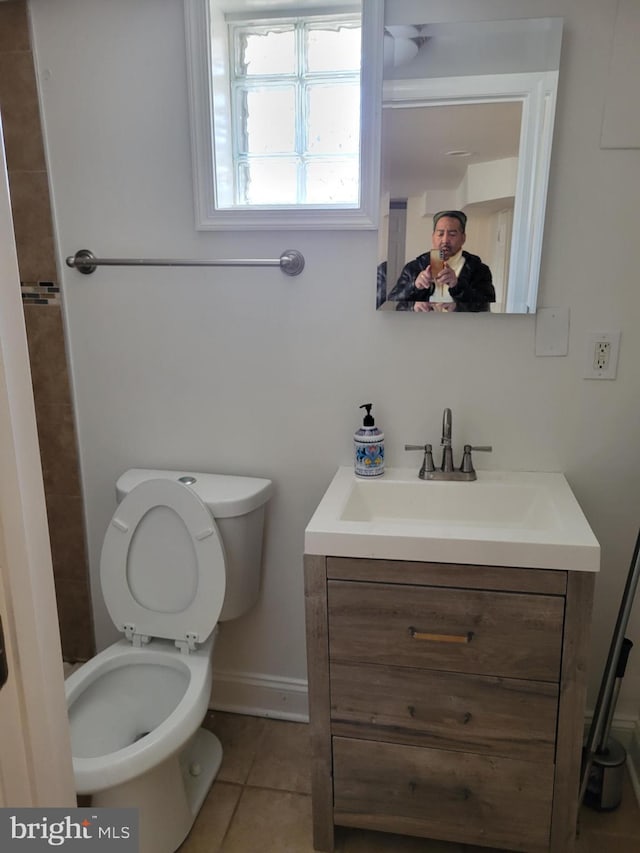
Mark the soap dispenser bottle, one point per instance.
(368, 447)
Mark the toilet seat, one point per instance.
(162, 566)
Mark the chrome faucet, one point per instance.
(445, 442)
(447, 470)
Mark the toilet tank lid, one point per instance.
(226, 495)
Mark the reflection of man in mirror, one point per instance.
(445, 278)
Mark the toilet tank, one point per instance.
(238, 506)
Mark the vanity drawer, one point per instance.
(483, 714)
(441, 794)
(460, 630)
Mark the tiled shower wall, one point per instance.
(45, 334)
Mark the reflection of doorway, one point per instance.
(397, 240)
(500, 261)
(458, 156)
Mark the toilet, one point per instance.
(182, 553)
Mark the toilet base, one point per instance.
(169, 797)
(200, 761)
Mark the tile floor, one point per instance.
(261, 802)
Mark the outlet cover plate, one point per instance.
(552, 331)
(591, 371)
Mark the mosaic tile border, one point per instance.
(40, 293)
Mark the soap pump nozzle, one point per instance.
(368, 418)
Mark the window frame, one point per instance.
(205, 71)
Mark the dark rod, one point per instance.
(609, 676)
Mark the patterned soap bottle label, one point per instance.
(369, 456)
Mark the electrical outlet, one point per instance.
(601, 357)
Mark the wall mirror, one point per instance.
(467, 124)
(285, 112)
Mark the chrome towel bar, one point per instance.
(290, 262)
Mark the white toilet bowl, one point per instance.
(136, 708)
(130, 708)
(133, 716)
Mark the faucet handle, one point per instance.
(427, 461)
(467, 463)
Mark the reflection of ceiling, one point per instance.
(415, 139)
(401, 45)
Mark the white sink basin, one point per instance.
(493, 504)
(503, 518)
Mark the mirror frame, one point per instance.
(536, 91)
(199, 32)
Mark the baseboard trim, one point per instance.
(260, 696)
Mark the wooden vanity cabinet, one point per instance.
(447, 701)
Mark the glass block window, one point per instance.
(295, 110)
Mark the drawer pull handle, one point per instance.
(440, 638)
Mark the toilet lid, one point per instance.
(162, 567)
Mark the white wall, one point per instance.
(249, 371)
